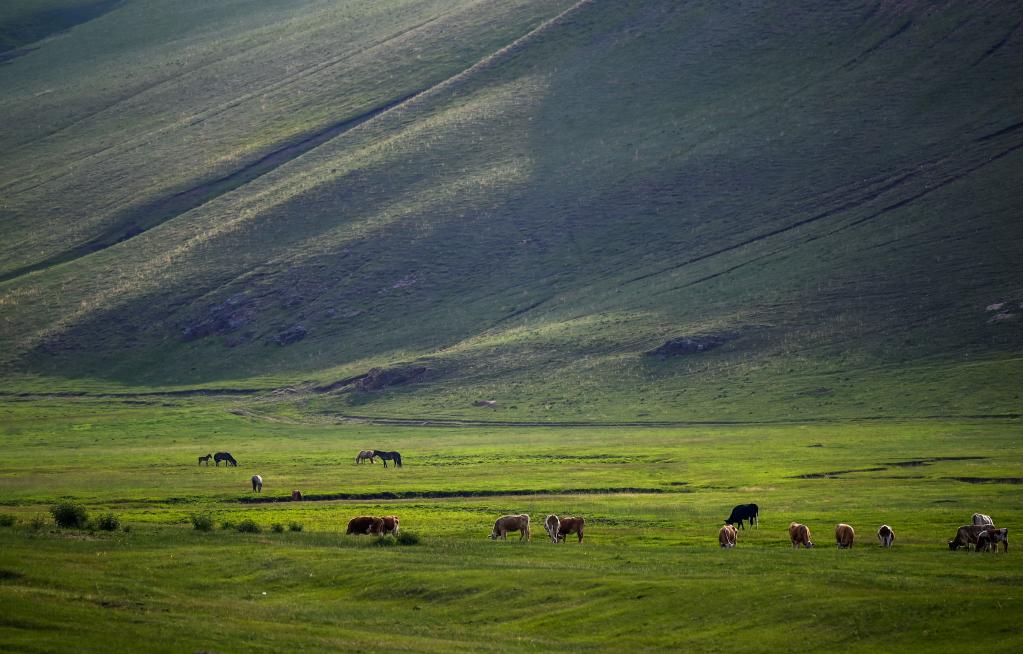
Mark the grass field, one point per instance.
(649, 575)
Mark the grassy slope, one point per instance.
(650, 575)
(620, 176)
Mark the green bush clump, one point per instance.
(36, 523)
(295, 526)
(385, 541)
(408, 538)
(6, 520)
(227, 525)
(69, 515)
(201, 521)
(248, 526)
(277, 528)
(108, 522)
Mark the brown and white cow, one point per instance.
(390, 524)
(363, 525)
(508, 523)
(727, 535)
(988, 540)
(885, 535)
(570, 525)
(799, 535)
(982, 519)
(551, 525)
(844, 536)
(966, 536)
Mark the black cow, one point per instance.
(750, 512)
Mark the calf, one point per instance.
(504, 524)
(742, 512)
(844, 536)
(390, 524)
(362, 525)
(571, 526)
(982, 519)
(551, 525)
(799, 535)
(966, 536)
(886, 536)
(988, 540)
(727, 535)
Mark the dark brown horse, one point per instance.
(226, 457)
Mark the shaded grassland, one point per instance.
(649, 576)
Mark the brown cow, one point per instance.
(885, 535)
(844, 535)
(296, 496)
(966, 536)
(570, 525)
(508, 523)
(799, 535)
(726, 536)
(363, 524)
(390, 524)
(988, 540)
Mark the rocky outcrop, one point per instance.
(686, 345)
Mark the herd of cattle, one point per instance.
(982, 535)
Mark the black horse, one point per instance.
(388, 456)
(224, 456)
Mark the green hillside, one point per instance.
(515, 201)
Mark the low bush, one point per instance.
(385, 541)
(227, 525)
(408, 538)
(295, 526)
(201, 521)
(108, 522)
(36, 523)
(69, 515)
(277, 528)
(6, 520)
(248, 526)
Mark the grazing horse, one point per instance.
(224, 456)
(885, 535)
(205, 459)
(257, 483)
(844, 536)
(388, 456)
(365, 454)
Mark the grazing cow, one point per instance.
(570, 525)
(390, 525)
(257, 483)
(224, 456)
(727, 535)
(750, 512)
(844, 536)
(362, 525)
(799, 535)
(296, 496)
(966, 536)
(885, 535)
(205, 459)
(982, 519)
(365, 454)
(504, 524)
(551, 525)
(989, 540)
(377, 527)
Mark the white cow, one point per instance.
(981, 519)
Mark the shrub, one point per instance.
(277, 528)
(126, 528)
(227, 524)
(36, 523)
(248, 526)
(201, 521)
(6, 520)
(295, 526)
(108, 522)
(408, 538)
(68, 514)
(384, 541)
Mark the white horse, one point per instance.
(366, 454)
(257, 483)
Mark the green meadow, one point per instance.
(648, 576)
